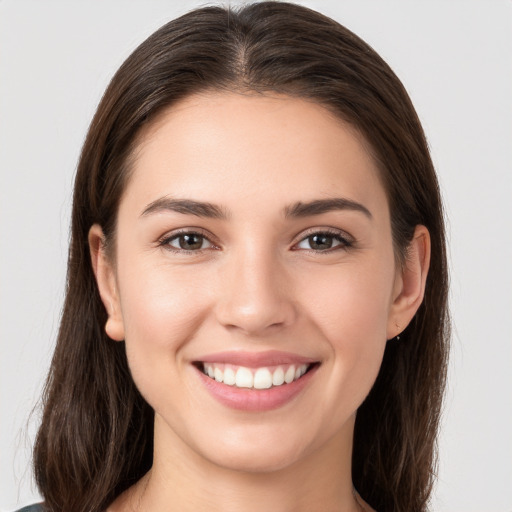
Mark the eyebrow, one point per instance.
(210, 210)
(319, 206)
(185, 206)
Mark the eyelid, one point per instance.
(346, 239)
(164, 240)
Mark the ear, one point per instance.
(106, 279)
(410, 280)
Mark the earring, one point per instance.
(398, 335)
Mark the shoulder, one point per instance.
(38, 507)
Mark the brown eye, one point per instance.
(323, 242)
(320, 242)
(189, 242)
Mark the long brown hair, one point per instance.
(96, 434)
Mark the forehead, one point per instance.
(222, 147)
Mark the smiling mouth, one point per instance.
(264, 377)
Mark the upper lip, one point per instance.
(255, 359)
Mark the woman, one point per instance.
(256, 305)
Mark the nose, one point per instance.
(256, 294)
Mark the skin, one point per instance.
(255, 284)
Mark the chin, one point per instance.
(258, 450)
(255, 460)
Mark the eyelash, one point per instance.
(166, 240)
(345, 242)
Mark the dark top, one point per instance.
(32, 508)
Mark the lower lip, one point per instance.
(246, 399)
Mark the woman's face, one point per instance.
(253, 243)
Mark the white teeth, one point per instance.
(289, 376)
(244, 378)
(278, 377)
(260, 378)
(300, 371)
(229, 377)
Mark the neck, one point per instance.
(181, 479)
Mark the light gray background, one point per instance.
(454, 57)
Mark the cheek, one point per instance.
(351, 312)
(351, 302)
(161, 309)
(157, 300)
